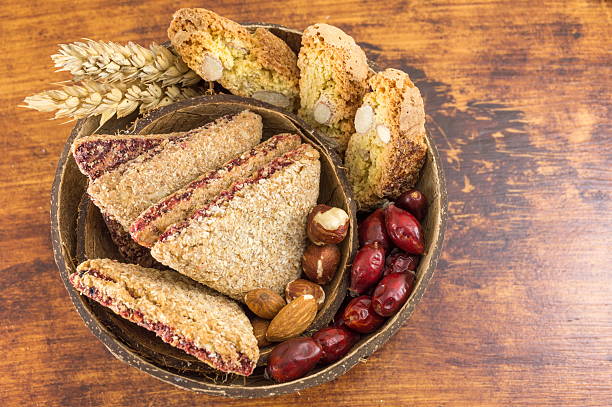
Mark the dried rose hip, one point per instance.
(391, 293)
(334, 342)
(415, 202)
(367, 268)
(360, 316)
(292, 359)
(372, 229)
(338, 321)
(399, 262)
(404, 229)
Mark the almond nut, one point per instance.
(383, 133)
(274, 98)
(322, 112)
(264, 303)
(364, 117)
(327, 225)
(302, 287)
(211, 69)
(260, 326)
(320, 262)
(293, 319)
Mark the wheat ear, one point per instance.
(110, 62)
(92, 98)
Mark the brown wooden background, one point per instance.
(519, 98)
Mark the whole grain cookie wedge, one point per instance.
(123, 191)
(385, 155)
(251, 64)
(253, 234)
(178, 206)
(183, 313)
(97, 154)
(333, 80)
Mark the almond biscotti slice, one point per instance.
(180, 311)
(178, 206)
(333, 80)
(252, 235)
(252, 64)
(125, 191)
(385, 155)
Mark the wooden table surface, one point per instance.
(518, 95)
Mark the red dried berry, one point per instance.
(334, 342)
(367, 268)
(372, 229)
(404, 229)
(392, 292)
(399, 262)
(292, 359)
(360, 316)
(415, 202)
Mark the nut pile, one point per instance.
(383, 275)
(281, 319)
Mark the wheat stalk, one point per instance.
(109, 62)
(92, 98)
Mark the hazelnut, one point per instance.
(212, 69)
(327, 225)
(260, 327)
(302, 287)
(264, 303)
(320, 262)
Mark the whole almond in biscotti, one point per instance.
(254, 64)
(293, 319)
(386, 153)
(333, 80)
(264, 303)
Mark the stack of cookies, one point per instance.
(215, 204)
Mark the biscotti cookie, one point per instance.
(180, 311)
(258, 64)
(333, 80)
(252, 235)
(178, 206)
(385, 155)
(128, 189)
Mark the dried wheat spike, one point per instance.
(92, 98)
(110, 62)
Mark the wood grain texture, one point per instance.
(519, 311)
